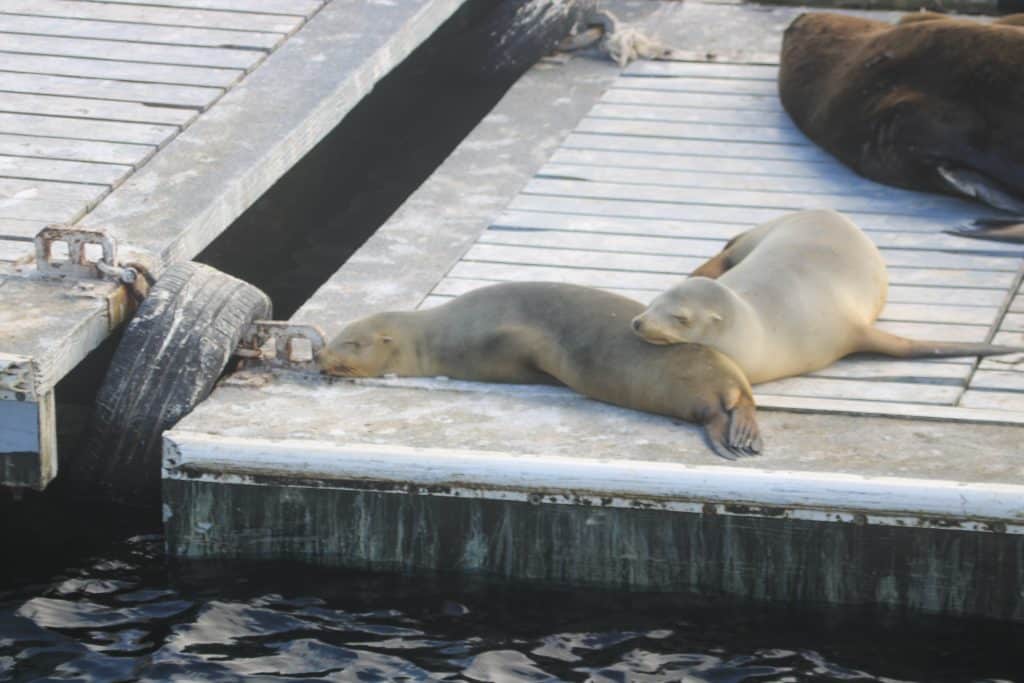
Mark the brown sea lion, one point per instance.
(934, 103)
(532, 333)
(791, 296)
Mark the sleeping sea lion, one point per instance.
(533, 333)
(934, 103)
(791, 296)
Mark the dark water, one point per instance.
(125, 616)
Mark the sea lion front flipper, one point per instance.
(1001, 229)
(974, 184)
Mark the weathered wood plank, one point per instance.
(531, 220)
(42, 189)
(850, 389)
(121, 70)
(1009, 338)
(11, 251)
(238, 21)
(682, 246)
(1012, 322)
(72, 39)
(954, 372)
(51, 210)
(106, 110)
(822, 404)
(911, 203)
(993, 400)
(707, 148)
(625, 280)
(86, 129)
(155, 93)
(764, 135)
(736, 215)
(686, 100)
(292, 7)
(74, 150)
(717, 117)
(20, 230)
(1007, 380)
(697, 166)
(67, 171)
(757, 72)
(756, 177)
(701, 85)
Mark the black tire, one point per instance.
(171, 354)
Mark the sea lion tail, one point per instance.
(733, 432)
(1002, 229)
(875, 340)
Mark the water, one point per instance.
(125, 616)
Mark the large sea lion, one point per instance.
(933, 103)
(791, 296)
(554, 333)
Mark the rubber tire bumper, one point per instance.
(172, 353)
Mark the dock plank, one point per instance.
(860, 390)
(168, 74)
(726, 148)
(52, 210)
(292, 7)
(994, 400)
(43, 189)
(686, 100)
(701, 85)
(155, 93)
(86, 129)
(104, 110)
(708, 132)
(74, 150)
(122, 46)
(60, 170)
(745, 72)
(13, 251)
(136, 14)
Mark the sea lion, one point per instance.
(792, 296)
(933, 103)
(546, 333)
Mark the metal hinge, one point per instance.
(279, 344)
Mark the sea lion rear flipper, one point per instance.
(975, 184)
(874, 340)
(734, 433)
(1002, 229)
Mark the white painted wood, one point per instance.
(67, 171)
(696, 166)
(850, 389)
(70, 38)
(736, 215)
(701, 85)
(959, 413)
(1010, 401)
(914, 204)
(238, 21)
(52, 210)
(106, 110)
(1006, 380)
(490, 473)
(145, 36)
(730, 117)
(74, 150)
(292, 7)
(120, 70)
(156, 93)
(673, 69)
(1012, 322)
(1009, 338)
(764, 135)
(86, 129)
(686, 100)
(681, 246)
(718, 148)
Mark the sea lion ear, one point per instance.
(387, 339)
(715, 317)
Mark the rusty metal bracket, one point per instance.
(279, 344)
(78, 262)
(17, 378)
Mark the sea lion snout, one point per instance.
(651, 330)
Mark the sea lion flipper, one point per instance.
(716, 429)
(976, 184)
(1002, 229)
(874, 340)
(744, 433)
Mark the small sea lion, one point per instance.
(546, 333)
(933, 103)
(792, 296)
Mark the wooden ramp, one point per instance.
(91, 90)
(677, 157)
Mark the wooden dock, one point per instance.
(158, 122)
(895, 483)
